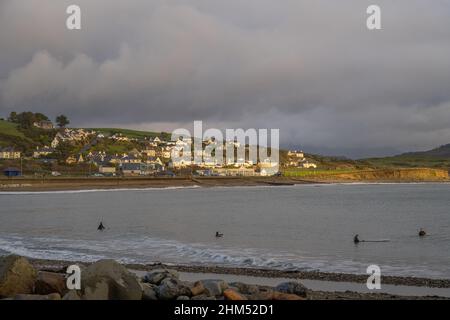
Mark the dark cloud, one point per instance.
(310, 68)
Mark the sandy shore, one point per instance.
(69, 184)
(103, 183)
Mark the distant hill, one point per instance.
(434, 158)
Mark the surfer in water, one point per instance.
(101, 227)
(422, 233)
(356, 239)
(218, 234)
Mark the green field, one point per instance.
(131, 133)
(10, 129)
(408, 161)
(314, 172)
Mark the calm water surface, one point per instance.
(308, 227)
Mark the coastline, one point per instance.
(94, 183)
(261, 277)
(55, 265)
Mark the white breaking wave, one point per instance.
(94, 190)
(145, 250)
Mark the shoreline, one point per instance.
(105, 184)
(58, 265)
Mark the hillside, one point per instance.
(434, 158)
(10, 135)
(132, 134)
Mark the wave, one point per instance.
(95, 190)
(146, 250)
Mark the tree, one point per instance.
(62, 121)
(13, 117)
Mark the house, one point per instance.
(149, 152)
(12, 172)
(309, 165)
(9, 153)
(295, 154)
(131, 169)
(107, 169)
(42, 152)
(71, 160)
(130, 159)
(44, 124)
(240, 172)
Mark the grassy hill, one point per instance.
(434, 158)
(11, 136)
(10, 129)
(131, 133)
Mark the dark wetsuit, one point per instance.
(101, 227)
(356, 239)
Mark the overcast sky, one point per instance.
(310, 68)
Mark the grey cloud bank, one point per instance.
(310, 68)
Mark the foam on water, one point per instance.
(147, 250)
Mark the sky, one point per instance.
(310, 68)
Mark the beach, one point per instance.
(269, 279)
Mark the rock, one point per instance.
(149, 292)
(197, 289)
(52, 296)
(203, 297)
(292, 287)
(230, 294)
(285, 296)
(109, 280)
(50, 282)
(183, 298)
(263, 294)
(17, 276)
(214, 287)
(158, 275)
(71, 295)
(170, 289)
(245, 288)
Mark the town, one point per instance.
(35, 146)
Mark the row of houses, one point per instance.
(9, 153)
(297, 159)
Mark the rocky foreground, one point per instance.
(109, 280)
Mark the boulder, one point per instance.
(149, 292)
(197, 289)
(183, 298)
(263, 293)
(158, 275)
(109, 280)
(17, 276)
(214, 288)
(52, 296)
(292, 287)
(230, 294)
(50, 282)
(245, 288)
(171, 288)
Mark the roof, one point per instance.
(131, 166)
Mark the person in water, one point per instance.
(356, 239)
(422, 233)
(101, 227)
(218, 234)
